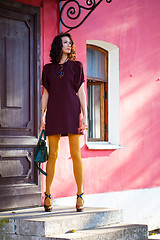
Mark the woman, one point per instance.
(62, 100)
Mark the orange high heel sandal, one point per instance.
(47, 208)
(80, 207)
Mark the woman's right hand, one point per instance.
(42, 124)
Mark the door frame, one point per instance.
(28, 142)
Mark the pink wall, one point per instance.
(133, 26)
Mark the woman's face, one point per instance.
(66, 42)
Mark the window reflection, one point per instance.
(95, 64)
(94, 111)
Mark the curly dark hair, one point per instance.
(56, 48)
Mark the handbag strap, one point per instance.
(40, 169)
(42, 133)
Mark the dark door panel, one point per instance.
(16, 166)
(17, 108)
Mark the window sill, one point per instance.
(102, 145)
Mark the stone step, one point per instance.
(36, 222)
(116, 232)
(154, 237)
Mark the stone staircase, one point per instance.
(65, 223)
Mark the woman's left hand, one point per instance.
(82, 98)
(84, 123)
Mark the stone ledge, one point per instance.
(7, 225)
(36, 222)
(116, 232)
(18, 237)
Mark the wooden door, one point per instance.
(19, 104)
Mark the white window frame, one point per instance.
(113, 98)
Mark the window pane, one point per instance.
(94, 111)
(95, 64)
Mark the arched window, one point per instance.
(97, 90)
(103, 95)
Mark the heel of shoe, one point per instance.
(49, 207)
(80, 208)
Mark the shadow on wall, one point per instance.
(139, 157)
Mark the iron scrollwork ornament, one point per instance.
(71, 14)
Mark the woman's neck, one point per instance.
(63, 59)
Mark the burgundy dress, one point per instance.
(63, 109)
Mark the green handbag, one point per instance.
(40, 155)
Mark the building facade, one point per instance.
(119, 47)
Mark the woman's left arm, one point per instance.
(82, 97)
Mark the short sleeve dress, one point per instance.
(63, 109)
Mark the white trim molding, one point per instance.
(113, 97)
(102, 145)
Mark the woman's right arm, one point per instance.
(44, 102)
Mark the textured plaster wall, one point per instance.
(133, 26)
